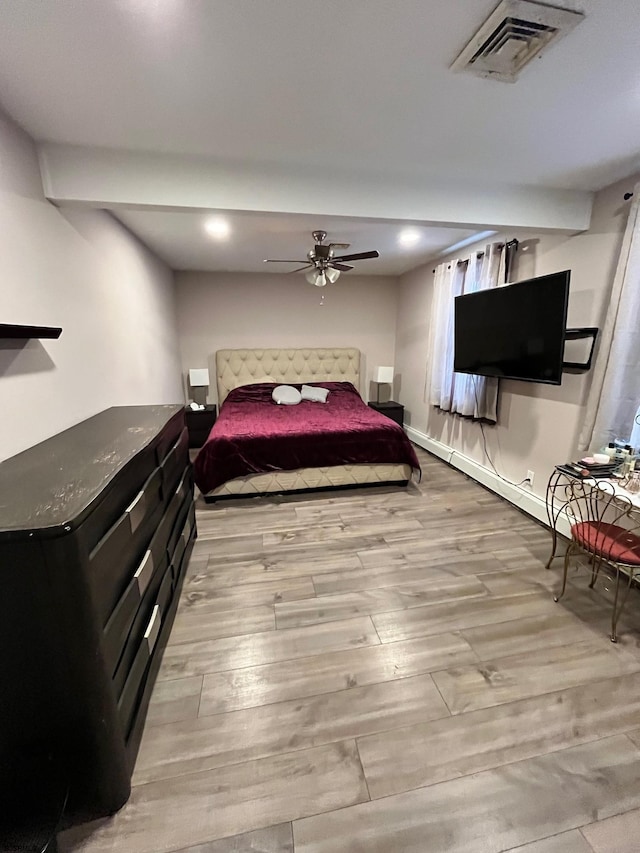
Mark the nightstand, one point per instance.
(199, 424)
(392, 410)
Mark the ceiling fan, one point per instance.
(323, 265)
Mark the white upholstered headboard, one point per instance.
(235, 367)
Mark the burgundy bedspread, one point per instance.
(253, 435)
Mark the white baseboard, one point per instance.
(521, 497)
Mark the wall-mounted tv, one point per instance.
(514, 332)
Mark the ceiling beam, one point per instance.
(113, 178)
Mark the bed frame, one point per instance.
(236, 367)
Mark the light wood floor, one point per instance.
(385, 671)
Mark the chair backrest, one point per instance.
(613, 516)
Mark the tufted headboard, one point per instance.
(235, 367)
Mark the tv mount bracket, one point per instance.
(578, 334)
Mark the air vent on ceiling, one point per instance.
(510, 38)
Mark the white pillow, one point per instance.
(315, 395)
(286, 395)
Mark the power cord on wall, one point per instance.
(484, 443)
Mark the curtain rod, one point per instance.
(478, 255)
(466, 260)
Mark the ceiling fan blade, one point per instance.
(280, 261)
(341, 267)
(339, 245)
(358, 256)
(291, 272)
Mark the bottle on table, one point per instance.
(629, 461)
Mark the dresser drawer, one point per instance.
(189, 526)
(174, 464)
(185, 497)
(182, 541)
(183, 491)
(136, 614)
(165, 593)
(112, 561)
(181, 496)
(183, 551)
(154, 559)
(119, 493)
(136, 677)
(168, 438)
(119, 625)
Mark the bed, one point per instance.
(257, 447)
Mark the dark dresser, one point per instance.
(96, 529)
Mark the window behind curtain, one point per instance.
(460, 393)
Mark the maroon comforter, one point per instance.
(253, 435)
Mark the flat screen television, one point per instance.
(514, 332)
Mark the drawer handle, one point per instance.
(181, 440)
(153, 628)
(186, 532)
(136, 511)
(182, 483)
(144, 572)
(174, 450)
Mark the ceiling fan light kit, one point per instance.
(323, 265)
(322, 277)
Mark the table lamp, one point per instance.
(199, 378)
(382, 376)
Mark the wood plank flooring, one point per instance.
(385, 671)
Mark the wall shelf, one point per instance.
(12, 330)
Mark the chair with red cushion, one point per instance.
(606, 527)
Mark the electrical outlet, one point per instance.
(530, 476)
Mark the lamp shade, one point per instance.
(383, 374)
(198, 377)
(322, 277)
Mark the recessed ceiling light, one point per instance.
(217, 227)
(409, 237)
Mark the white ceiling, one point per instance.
(181, 240)
(355, 84)
(343, 87)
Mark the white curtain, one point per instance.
(446, 286)
(614, 398)
(461, 393)
(634, 441)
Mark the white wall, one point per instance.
(538, 424)
(237, 310)
(79, 269)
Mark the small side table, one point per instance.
(199, 423)
(392, 410)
